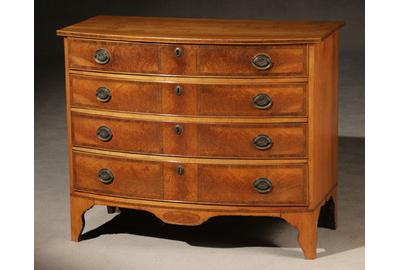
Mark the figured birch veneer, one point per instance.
(195, 118)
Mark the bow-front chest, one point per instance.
(195, 118)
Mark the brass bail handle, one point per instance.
(103, 94)
(262, 61)
(104, 133)
(262, 185)
(105, 176)
(101, 56)
(262, 142)
(262, 101)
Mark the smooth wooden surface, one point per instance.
(289, 60)
(195, 99)
(128, 57)
(236, 80)
(139, 179)
(218, 118)
(202, 140)
(306, 224)
(68, 115)
(208, 183)
(323, 120)
(200, 31)
(78, 207)
(224, 100)
(190, 160)
(234, 184)
(184, 213)
(305, 221)
(189, 119)
(213, 60)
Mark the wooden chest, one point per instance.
(194, 118)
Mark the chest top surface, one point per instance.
(200, 31)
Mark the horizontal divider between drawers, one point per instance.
(174, 159)
(147, 77)
(190, 119)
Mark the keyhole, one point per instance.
(180, 170)
(178, 52)
(178, 129)
(178, 90)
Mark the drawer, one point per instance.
(113, 56)
(268, 184)
(252, 100)
(252, 60)
(201, 60)
(188, 180)
(117, 176)
(190, 139)
(117, 134)
(288, 99)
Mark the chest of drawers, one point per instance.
(195, 118)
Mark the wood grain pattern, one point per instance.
(289, 141)
(125, 57)
(181, 218)
(134, 136)
(206, 140)
(137, 179)
(180, 187)
(125, 96)
(224, 100)
(289, 60)
(128, 57)
(323, 126)
(186, 63)
(234, 184)
(209, 169)
(195, 99)
(207, 183)
(201, 31)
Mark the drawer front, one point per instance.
(283, 141)
(253, 184)
(122, 56)
(130, 57)
(252, 100)
(116, 134)
(222, 183)
(288, 60)
(97, 93)
(189, 139)
(189, 99)
(117, 176)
